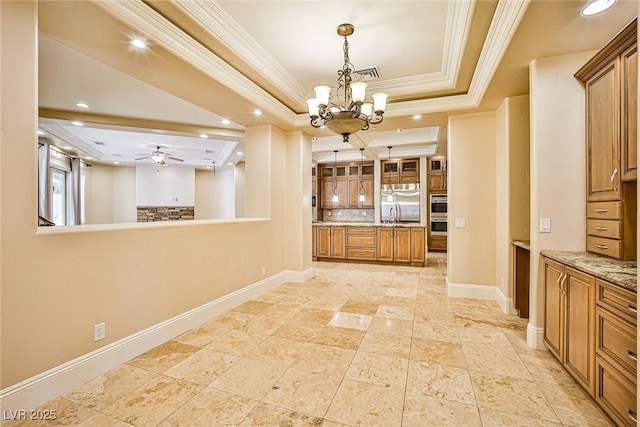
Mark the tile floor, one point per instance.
(357, 345)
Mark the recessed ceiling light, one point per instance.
(315, 138)
(66, 147)
(239, 153)
(417, 117)
(257, 112)
(597, 6)
(398, 130)
(226, 121)
(87, 158)
(230, 164)
(116, 163)
(82, 105)
(138, 43)
(208, 167)
(77, 123)
(204, 136)
(40, 132)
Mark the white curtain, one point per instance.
(74, 194)
(44, 181)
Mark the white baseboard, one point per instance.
(535, 337)
(57, 381)
(505, 303)
(459, 290)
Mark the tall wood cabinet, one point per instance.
(610, 79)
(437, 175)
(344, 180)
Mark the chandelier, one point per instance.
(346, 112)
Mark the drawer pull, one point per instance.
(602, 210)
(602, 246)
(632, 308)
(602, 228)
(632, 355)
(632, 415)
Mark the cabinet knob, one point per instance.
(602, 228)
(633, 356)
(602, 210)
(632, 308)
(602, 246)
(632, 415)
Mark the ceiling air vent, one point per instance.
(209, 151)
(371, 73)
(99, 143)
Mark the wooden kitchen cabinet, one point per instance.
(328, 191)
(611, 92)
(417, 245)
(437, 175)
(394, 244)
(629, 63)
(330, 242)
(569, 316)
(356, 174)
(314, 234)
(616, 352)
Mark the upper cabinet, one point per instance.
(437, 173)
(400, 171)
(611, 98)
(347, 182)
(610, 80)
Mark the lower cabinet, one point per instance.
(330, 242)
(403, 245)
(570, 321)
(591, 328)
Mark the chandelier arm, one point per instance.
(365, 126)
(376, 118)
(316, 121)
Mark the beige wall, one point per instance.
(512, 184)
(56, 285)
(557, 166)
(472, 196)
(110, 194)
(215, 194)
(241, 189)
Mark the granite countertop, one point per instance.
(621, 273)
(366, 224)
(524, 244)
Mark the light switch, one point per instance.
(460, 223)
(545, 225)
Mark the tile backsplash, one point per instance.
(348, 215)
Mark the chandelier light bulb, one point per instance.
(379, 101)
(367, 109)
(312, 104)
(358, 90)
(322, 94)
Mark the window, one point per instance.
(59, 196)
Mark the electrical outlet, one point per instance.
(264, 270)
(460, 222)
(99, 331)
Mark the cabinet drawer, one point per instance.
(615, 394)
(361, 240)
(617, 300)
(438, 245)
(603, 246)
(616, 342)
(361, 253)
(611, 229)
(361, 230)
(604, 210)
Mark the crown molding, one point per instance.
(219, 24)
(137, 14)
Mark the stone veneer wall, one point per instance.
(165, 213)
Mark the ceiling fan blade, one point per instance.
(141, 158)
(175, 158)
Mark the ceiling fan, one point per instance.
(160, 157)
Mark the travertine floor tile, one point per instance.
(509, 394)
(202, 367)
(304, 391)
(439, 352)
(356, 345)
(572, 406)
(153, 402)
(363, 404)
(211, 407)
(249, 378)
(424, 411)
(429, 379)
(385, 371)
(105, 389)
(269, 415)
(163, 357)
